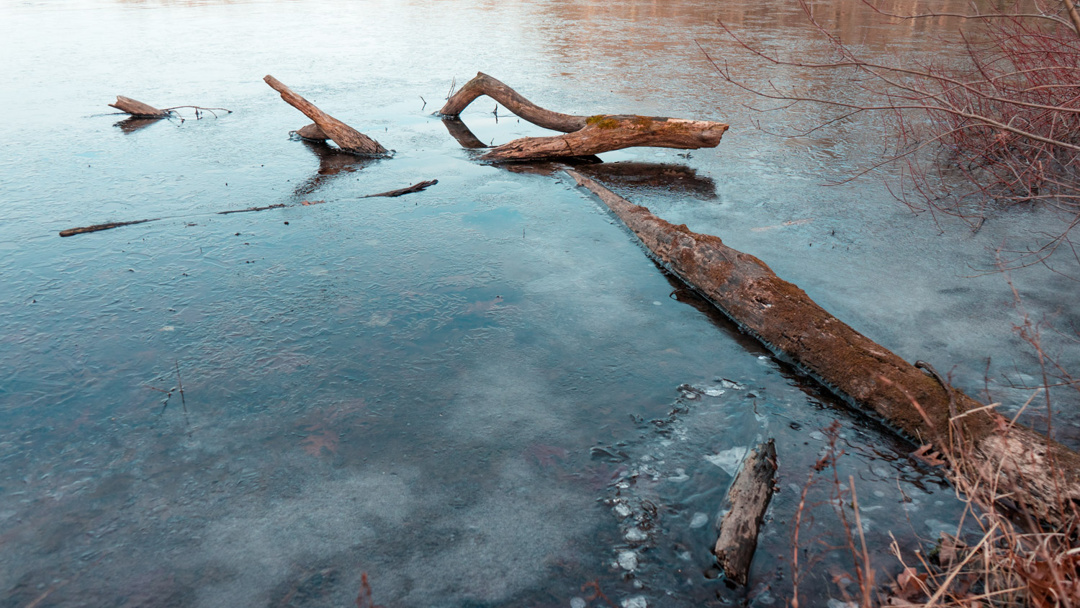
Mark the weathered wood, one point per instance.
(312, 132)
(483, 84)
(604, 133)
(343, 135)
(747, 500)
(137, 108)
(1040, 473)
(409, 190)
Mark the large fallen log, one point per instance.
(584, 135)
(747, 500)
(1040, 474)
(346, 137)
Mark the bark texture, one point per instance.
(137, 108)
(748, 498)
(346, 137)
(604, 133)
(1042, 474)
(584, 135)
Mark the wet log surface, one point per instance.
(137, 108)
(583, 135)
(1040, 473)
(346, 137)
(747, 500)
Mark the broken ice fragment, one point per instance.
(622, 511)
(638, 601)
(698, 520)
(627, 560)
(729, 460)
(724, 382)
(577, 602)
(635, 535)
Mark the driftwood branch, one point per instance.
(401, 191)
(748, 498)
(584, 135)
(343, 135)
(137, 108)
(1041, 473)
(100, 227)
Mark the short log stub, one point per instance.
(137, 108)
(748, 498)
(312, 132)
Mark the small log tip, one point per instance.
(137, 108)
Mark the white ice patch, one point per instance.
(577, 602)
(729, 460)
(622, 511)
(713, 392)
(680, 476)
(698, 520)
(628, 560)
(635, 535)
(638, 601)
(835, 603)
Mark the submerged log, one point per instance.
(584, 135)
(137, 108)
(1040, 473)
(100, 227)
(418, 187)
(343, 135)
(747, 500)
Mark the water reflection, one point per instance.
(132, 124)
(332, 161)
(664, 176)
(460, 132)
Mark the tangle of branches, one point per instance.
(997, 126)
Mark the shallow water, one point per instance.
(452, 391)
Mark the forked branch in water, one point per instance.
(583, 135)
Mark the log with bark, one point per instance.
(583, 135)
(747, 500)
(137, 108)
(1041, 474)
(346, 137)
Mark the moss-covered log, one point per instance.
(1039, 473)
(584, 135)
(346, 137)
